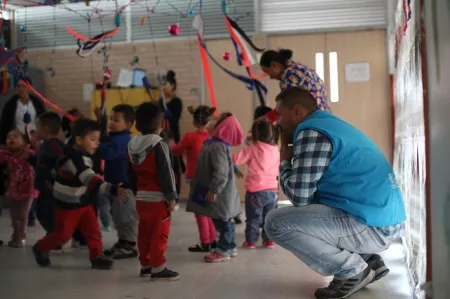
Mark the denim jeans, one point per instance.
(104, 210)
(328, 240)
(227, 239)
(257, 206)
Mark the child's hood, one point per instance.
(140, 146)
(230, 131)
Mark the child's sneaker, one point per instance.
(269, 244)
(248, 245)
(107, 228)
(42, 258)
(165, 274)
(233, 252)
(216, 257)
(16, 244)
(102, 262)
(200, 248)
(146, 272)
(121, 251)
(237, 220)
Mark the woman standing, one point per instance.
(173, 107)
(280, 66)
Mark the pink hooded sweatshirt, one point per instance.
(230, 131)
(263, 162)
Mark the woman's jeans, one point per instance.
(328, 240)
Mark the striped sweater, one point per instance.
(76, 183)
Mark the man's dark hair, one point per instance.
(84, 126)
(295, 95)
(52, 121)
(264, 131)
(148, 118)
(261, 111)
(127, 112)
(26, 80)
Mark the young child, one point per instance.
(263, 159)
(213, 190)
(114, 152)
(20, 190)
(48, 126)
(76, 184)
(191, 145)
(153, 182)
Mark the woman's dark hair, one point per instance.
(223, 116)
(271, 56)
(264, 131)
(261, 111)
(201, 114)
(170, 77)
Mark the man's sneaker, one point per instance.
(344, 288)
(233, 252)
(377, 264)
(269, 244)
(200, 248)
(248, 245)
(146, 272)
(216, 257)
(165, 274)
(42, 258)
(121, 251)
(102, 262)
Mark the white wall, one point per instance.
(437, 20)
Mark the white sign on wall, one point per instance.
(88, 88)
(357, 72)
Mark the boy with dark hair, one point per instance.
(48, 126)
(114, 152)
(153, 182)
(76, 184)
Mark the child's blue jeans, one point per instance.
(257, 206)
(227, 239)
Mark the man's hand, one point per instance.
(211, 197)
(171, 205)
(285, 150)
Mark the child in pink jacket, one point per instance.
(20, 188)
(262, 157)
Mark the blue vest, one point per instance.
(359, 180)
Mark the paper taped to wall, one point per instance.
(357, 72)
(88, 88)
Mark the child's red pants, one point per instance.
(153, 233)
(66, 222)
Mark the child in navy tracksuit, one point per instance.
(114, 152)
(48, 126)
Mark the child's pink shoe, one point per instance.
(248, 245)
(269, 244)
(216, 257)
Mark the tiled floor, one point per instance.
(255, 274)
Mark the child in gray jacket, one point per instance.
(213, 189)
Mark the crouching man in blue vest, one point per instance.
(347, 203)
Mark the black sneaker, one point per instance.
(165, 274)
(237, 220)
(339, 289)
(42, 258)
(121, 251)
(214, 245)
(145, 272)
(377, 264)
(200, 248)
(102, 262)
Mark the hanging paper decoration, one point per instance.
(23, 28)
(174, 29)
(407, 11)
(143, 20)
(226, 56)
(225, 7)
(191, 11)
(118, 19)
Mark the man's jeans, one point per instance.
(328, 240)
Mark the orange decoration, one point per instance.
(143, 20)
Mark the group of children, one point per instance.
(140, 185)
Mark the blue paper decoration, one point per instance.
(191, 11)
(118, 19)
(23, 28)
(225, 7)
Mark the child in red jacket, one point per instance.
(152, 180)
(191, 145)
(20, 188)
